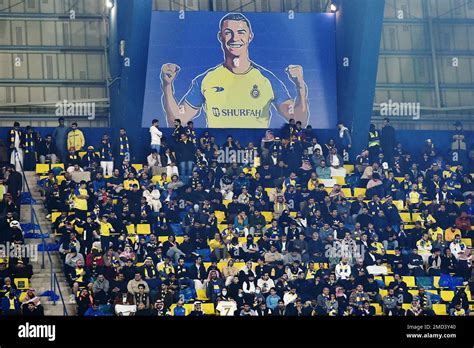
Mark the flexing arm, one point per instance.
(183, 111)
(298, 108)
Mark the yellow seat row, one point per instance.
(46, 167)
(139, 229)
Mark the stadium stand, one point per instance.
(258, 239)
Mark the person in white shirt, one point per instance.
(156, 135)
(265, 283)
(343, 269)
(290, 296)
(457, 247)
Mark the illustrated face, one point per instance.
(235, 37)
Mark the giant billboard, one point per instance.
(241, 70)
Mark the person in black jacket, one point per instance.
(387, 140)
(47, 151)
(197, 271)
(15, 186)
(185, 156)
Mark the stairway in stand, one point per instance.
(41, 280)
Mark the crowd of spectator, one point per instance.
(296, 228)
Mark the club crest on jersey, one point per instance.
(255, 93)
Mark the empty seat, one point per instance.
(143, 228)
(447, 295)
(410, 281)
(340, 180)
(220, 216)
(42, 168)
(201, 295)
(440, 309)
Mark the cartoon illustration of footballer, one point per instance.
(237, 93)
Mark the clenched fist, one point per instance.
(169, 72)
(295, 72)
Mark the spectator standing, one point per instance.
(345, 141)
(122, 151)
(75, 138)
(106, 157)
(60, 139)
(388, 140)
(16, 146)
(29, 149)
(374, 144)
(185, 156)
(156, 136)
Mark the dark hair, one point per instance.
(235, 17)
(154, 121)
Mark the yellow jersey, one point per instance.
(232, 100)
(105, 228)
(80, 203)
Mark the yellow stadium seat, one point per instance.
(447, 295)
(208, 308)
(399, 178)
(436, 282)
(226, 202)
(359, 191)
(55, 215)
(390, 252)
(22, 283)
(221, 227)
(155, 179)
(406, 306)
(347, 192)
(440, 309)
(57, 165)
(137, 166)
(42, 168)
(399, 204)
(383, 292)
(270, 191)
(220, 215)
(416, 217)
(328, 189)
(378, 308)
(179, 239)
(268, 215)
(349, 168)
(60, 179)
(413, 292)
(293, 213)
(467, 241)
(22, 297)
(201, 295)
(143, 228)
(405, 217)
(131, 229)
(252, 171)
(340, 180)
(388, 280)
(81, 154)
(410, 281)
